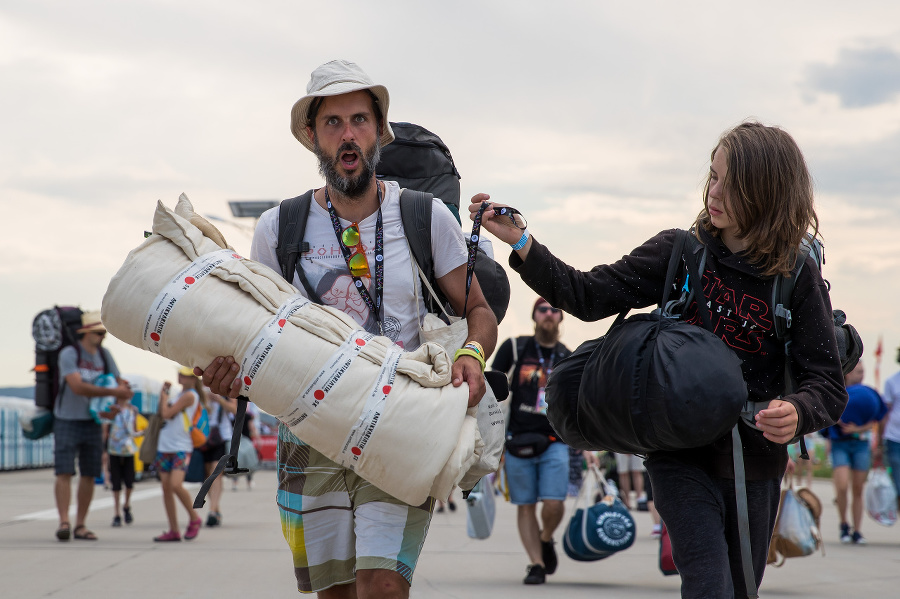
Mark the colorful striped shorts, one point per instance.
(336, 522)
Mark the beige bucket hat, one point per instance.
(333, 79)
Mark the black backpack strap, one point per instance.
(106, 357)
(292, 215)
(782, 290)
(415, 214)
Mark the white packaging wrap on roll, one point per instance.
(390, 415)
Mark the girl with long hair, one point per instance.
(757, 209)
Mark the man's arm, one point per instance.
(482, 328)
(79, 387)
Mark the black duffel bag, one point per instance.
(652, 383)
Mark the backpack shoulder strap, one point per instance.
(783, 289)
(106, 357)
(415, 213)
(292, 216)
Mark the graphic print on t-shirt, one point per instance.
(739, 322)
(326, 270)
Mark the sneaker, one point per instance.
(127, 512)
(117, 521)
(451, 505)
(656, 532)
(845, 534)
(192, 529)
(214, 519)
(858, 539)
(536, 575)
(167, 537)
(548, 555)
(642, 505)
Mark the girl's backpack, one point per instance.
(198, 426)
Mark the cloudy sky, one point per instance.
(596, 119)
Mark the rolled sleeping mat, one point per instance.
(391, 416)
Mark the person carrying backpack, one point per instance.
(77, 434)
(757, 208)
(347, 536)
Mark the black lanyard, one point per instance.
(540, 356)
(472, 244)
(374, 306)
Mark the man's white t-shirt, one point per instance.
(891, 397)
(327, 272)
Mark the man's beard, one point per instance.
(349, 187)
(547, 332)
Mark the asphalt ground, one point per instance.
(247, 556)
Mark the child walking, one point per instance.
(121, 448)
(174, 451)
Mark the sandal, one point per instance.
(81, 533)
(63, 532)
(192, 529)
(168, 537)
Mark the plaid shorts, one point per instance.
(77, 438)
(167, 462)
(336, 522)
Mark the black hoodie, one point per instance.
(739, 298)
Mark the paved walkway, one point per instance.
(247, 557)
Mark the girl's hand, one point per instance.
(500, 227)
(779, 421)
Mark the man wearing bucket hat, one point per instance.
(348, 537)
(77, 434)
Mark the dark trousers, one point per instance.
(701, 515)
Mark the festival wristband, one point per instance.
(522, 241)
(476, 347)
(468, 352)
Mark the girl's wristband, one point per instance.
(522, 241)
(469, 352)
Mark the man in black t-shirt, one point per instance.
(536, 461)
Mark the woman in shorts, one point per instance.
(174, 449)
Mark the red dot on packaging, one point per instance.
(282, 322)
(154, 336)
(360, 342)
(247, 380)
(319, 394)
(386, 389)
(356, 451)
(190, 280)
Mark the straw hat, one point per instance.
(90, 323)
(334, 79)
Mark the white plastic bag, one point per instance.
(881, 497)
(480, 510)
(796, 533)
